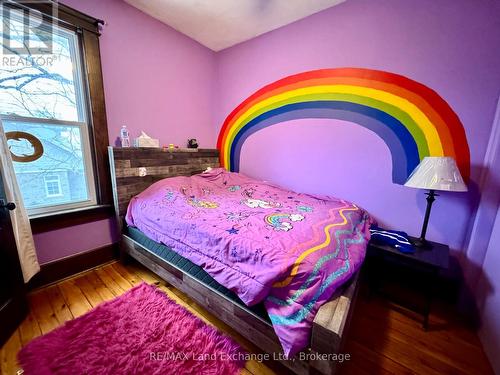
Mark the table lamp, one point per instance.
(434, 173)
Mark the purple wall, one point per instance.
(488, 295)
(450, 46)
(483, 253)
(155, 79)
(65, 242)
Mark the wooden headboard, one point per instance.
(128, 166)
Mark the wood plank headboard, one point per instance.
(128, 166)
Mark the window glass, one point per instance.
(43, 108)
(62, 153)
(39, 85)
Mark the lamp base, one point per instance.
(421, 243)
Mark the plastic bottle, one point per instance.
(124, 137)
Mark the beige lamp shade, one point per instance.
(437, 173)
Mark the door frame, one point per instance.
(484, 218)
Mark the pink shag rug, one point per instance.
(141, 332)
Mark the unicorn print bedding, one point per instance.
(290, 251)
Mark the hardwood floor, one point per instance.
(382, 339)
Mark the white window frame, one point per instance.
(84, 124)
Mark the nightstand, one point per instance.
(410, 273)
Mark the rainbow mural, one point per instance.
(412, 119)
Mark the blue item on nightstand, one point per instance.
(397, 239)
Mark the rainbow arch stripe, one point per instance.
(412, 119)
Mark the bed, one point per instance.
(219, 228)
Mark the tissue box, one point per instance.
(146, 142)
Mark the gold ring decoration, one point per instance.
(34, 141)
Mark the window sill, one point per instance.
(64, 219)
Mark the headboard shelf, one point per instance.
(128, 166)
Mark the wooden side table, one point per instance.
(420, 270)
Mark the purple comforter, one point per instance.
(289, 250)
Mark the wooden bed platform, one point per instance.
(132, 171)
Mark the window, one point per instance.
(53, 186)
(44, 104)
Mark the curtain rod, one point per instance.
(96, 23)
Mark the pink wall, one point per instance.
(156, 80)
(450, 46)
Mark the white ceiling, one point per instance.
(219, 24)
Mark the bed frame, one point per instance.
(132, 171)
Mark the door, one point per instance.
(13, 303)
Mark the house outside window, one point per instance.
(45, 96)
